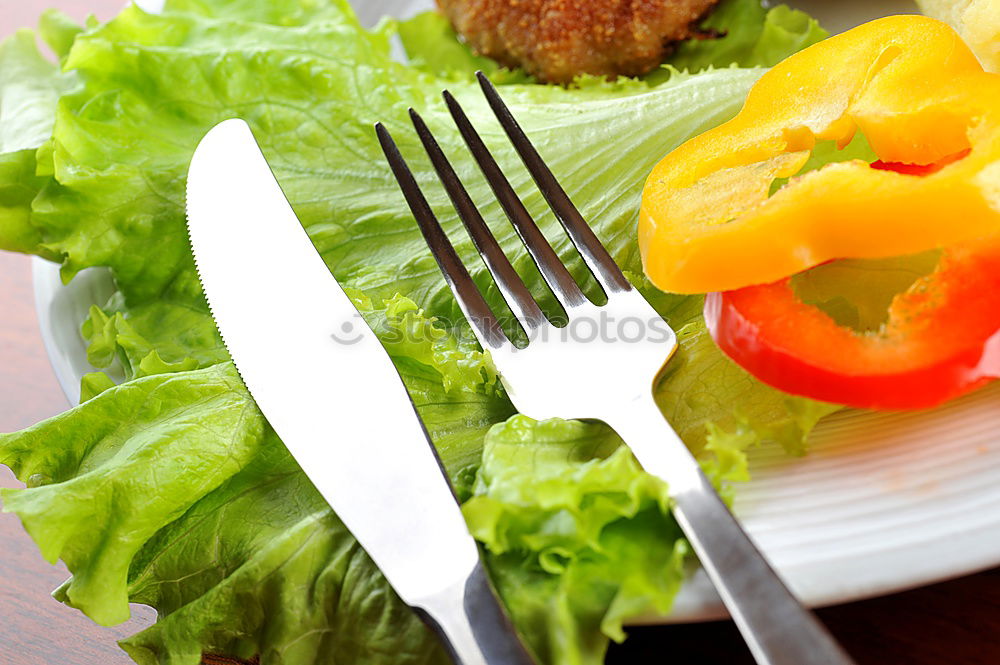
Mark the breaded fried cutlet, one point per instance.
(557, 40)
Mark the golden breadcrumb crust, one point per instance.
(558, 39)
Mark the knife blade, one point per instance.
(330, 391)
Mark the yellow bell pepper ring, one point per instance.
(918, 95)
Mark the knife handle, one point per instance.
(473, 625)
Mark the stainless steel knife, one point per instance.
(285, 329)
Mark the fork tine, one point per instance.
(477, 311)
(587, 243)
(511, 285)
(555, 273)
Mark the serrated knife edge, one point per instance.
(269, 288)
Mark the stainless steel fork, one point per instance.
(611, 380)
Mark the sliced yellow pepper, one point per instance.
(918, 95)
(978, 21)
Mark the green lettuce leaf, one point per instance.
(58, 31)
(433, 46)
(718, 407)
(18, 188)
(30, 86)
(188, 502)
(262, 567)
(560, 504)
(857, 293)
(748, 34)
(130, 460)
(120, 156)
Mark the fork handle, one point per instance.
(774, 624)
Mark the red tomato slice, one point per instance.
(942, 338)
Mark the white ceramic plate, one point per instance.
(883, 502)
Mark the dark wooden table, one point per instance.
(954, 623)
